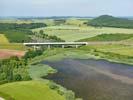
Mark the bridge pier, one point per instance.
(34, 47)
(63, 46)
(49, 46)
(77, 46)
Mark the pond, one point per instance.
(94, 79)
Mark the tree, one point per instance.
(17, 77)
(41, 32)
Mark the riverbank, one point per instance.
(85, 52)
(38, 71)
(57, 54)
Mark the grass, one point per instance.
(15, 36)
(77, 22)
(109, 37)
(128, 40)
(5, 44)
(40, 70)
(57, 54)
(103, 51)
(13, 46)
(75, 33)
(3, 39)
(15, 21)
(18, 21)
(117, 49)
(30, 90)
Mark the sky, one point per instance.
(66, 7)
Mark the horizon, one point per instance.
(62, 16)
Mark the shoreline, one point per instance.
(60, 56)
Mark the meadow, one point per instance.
(75, 33)
(117, 49)
(109, 37)
(30, 90)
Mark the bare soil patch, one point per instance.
(4, 53)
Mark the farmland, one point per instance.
(6, 53)
(3, 39)
(107, 44)
(75, 33)
(66, 50)
(109, 37)
(8, 49)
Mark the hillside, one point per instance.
(109, 37)
(110, 21)
(75, 33)
(30, 90)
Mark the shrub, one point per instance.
(17, 77)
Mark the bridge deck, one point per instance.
(58, 43)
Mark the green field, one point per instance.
(5, 44)
(109, 37)
(117, 49)
(75, 33)
(30, 90)
(16, 36)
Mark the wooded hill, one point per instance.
(110, 21)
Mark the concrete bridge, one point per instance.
(63, 44)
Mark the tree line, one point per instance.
(16, 69)
(7, 26)
(42, 35)
(19, 32)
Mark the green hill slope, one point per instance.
(110, 21)
(30, 90)
(109, 37)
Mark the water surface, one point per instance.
(94, 79)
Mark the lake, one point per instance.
(94, 79)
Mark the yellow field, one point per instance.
(3, 39)
(13, 46)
